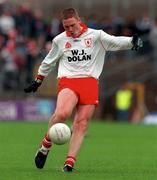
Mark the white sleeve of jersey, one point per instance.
(114, 43)
(50, 60)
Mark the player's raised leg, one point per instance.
(66, 101)
(80, 125)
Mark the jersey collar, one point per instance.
(84, 29)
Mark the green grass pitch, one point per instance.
(110, 152)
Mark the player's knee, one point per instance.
(81, 126)
(62, 115)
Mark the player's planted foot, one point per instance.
(67, 168)
(40, 158)
(69, 164)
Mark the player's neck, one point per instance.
(81, 30)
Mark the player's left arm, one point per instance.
(114, 43)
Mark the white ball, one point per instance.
(59, 133)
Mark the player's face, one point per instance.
(72, 25)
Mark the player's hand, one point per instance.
(33, 86)
(136, 42)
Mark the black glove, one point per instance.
(33, 86)
(136, 42)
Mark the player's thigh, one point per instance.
(84, 113)
(66, 100)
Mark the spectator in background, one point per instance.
(2, 44)
(40, 29)
(144, 25)
(32, 53)
(118, 25)
(153, 41)
(92, 21)
(106, 24)
(7, 23)
(24, 20)
(55, 26)
(123, 102)
(10, 69)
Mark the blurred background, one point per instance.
(128, 84)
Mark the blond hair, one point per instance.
(69, 13)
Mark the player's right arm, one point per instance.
(45, 68)
(50, 60)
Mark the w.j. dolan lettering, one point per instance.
(79, 56)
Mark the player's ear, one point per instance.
(78, 18)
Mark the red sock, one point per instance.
(70, 160)
(46, 142)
